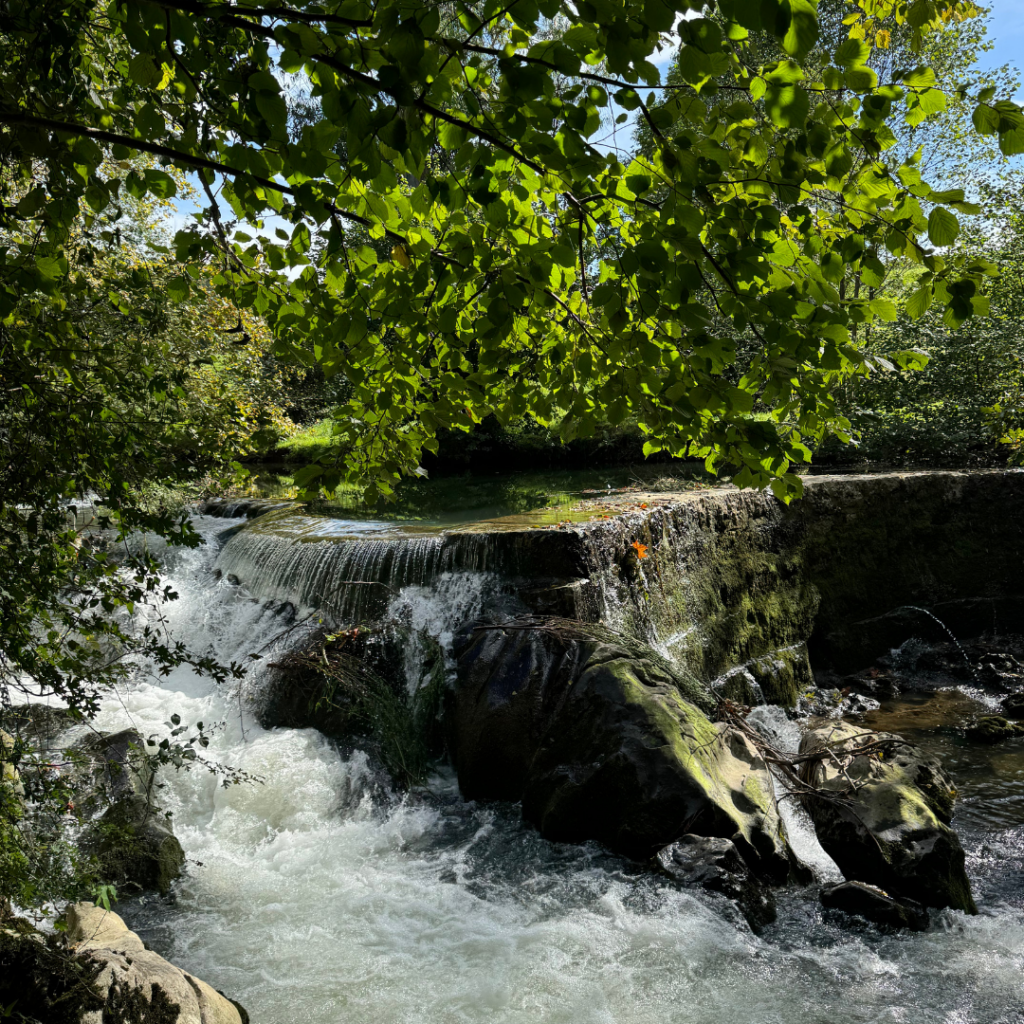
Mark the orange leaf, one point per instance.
(640, 549)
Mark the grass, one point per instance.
(308, 443)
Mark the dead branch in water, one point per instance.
(794, 769)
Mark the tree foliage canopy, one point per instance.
(532, 268)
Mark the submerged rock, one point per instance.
(596, 737)
(1013, 705)
(873, 904)
(884, 817)
(716, 866)
(994, 729)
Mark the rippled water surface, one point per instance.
(315, 897)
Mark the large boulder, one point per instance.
(133, 979)
(38, 725)
(102, 972)
(883, 814)
(601, 739)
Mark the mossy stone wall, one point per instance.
(850, 570)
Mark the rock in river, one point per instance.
(602, 739)
(100, 972)
(994, 729)
(716, 866)
(884, 816)
(131, 839)
(871, 903)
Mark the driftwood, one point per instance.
(794, 769)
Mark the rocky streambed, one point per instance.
(681, 756)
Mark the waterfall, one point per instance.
(783, 734)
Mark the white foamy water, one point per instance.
(772, 723)
(314, 899)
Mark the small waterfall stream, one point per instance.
(316, 897)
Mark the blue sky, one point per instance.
(1006, 29)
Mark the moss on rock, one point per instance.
(884, 816)
(600, 743)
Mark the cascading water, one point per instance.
(314, 897)
(783, 734)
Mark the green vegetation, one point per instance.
(530, 271)
(307, 444)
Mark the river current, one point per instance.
(315, 896)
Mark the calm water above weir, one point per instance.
(317, 897)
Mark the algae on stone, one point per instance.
(599, 742)
(891, 825)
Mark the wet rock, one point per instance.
(738, 686)
(779, 677)
(884, 817)
(114, 768)
(247, 508)
(999, 670)
(136, 847)
(1013, 705)
(868, 901)
(994, 729)
(715, 865)
(37, 724)
(833, 703)
(135, 983)
(858, 704)
(597, 739)
(879, 685)
(783, 674)
(130, 837)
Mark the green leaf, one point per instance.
(1011, 143)
(178, 288)
(144, 71)
(803, 28)
(943, 227)
(911, 359)
(787, 106)
(919, 301)
(638, 184)
(160, 184)
(933, 101)
(883, 309)
(852, 52)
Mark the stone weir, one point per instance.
(714, 578)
